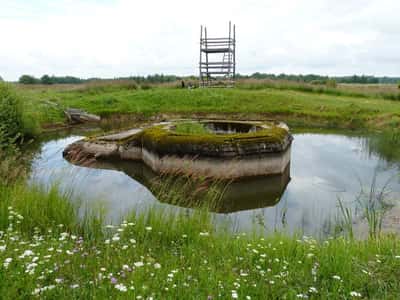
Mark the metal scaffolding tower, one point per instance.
(217, 59)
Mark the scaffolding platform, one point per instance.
(217, 64)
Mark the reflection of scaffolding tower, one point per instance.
(217, 59)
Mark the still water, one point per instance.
(323, 169)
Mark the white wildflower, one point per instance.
(7, 261)
(355, 294)
(157, 266)
(121, 287)
(138, 264)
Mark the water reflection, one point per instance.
(233, 196)
(324, 167)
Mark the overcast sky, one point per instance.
(111, 38)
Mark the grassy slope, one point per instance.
(294, 106)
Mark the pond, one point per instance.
(324, 167)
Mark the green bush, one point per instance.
(11, 119)
(14, 124)
(146, 86)
(331, 83)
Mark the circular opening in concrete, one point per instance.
(215, 127)
(231, 127)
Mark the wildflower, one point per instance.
(7, 261)
(302, 296)
(271, 282)
(121, 287)
(336, 277)
(309, 255)
(107, 241)
(103, 269)
(36, 291)
(74, 286)
(124, 247)
(115, 238)
(138, 264)
(113, 280)
(234, 294)
(3, 248)
(133, 241)
(148, 228)
(204, 234)
(248, 298)
(355, 294)
(58, 280)
(157, 266)
(313, 290)
(397, 256)
(126, 268)
(27, 253)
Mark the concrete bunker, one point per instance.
(211, 148)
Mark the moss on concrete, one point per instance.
(164, 141)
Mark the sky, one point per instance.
(114, 38)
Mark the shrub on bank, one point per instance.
(11, 114)
(14, 123)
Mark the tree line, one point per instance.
(46, 79)
(161, 78)
(312, 78)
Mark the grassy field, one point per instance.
(296, 104)
(52, 248)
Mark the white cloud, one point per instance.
(121, 38)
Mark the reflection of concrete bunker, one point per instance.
(237, 195)
(222, 149)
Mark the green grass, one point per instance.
(190, 128)
(294, 106)
(52, 248)
(181, 256)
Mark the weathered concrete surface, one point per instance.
(225, 168)
(121, 135)
(226, 159)
(79, 116)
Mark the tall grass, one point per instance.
(330, 88)
(166, 255)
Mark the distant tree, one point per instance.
(398, 84)
(28, 79)
(45, 79)
(1, 79)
